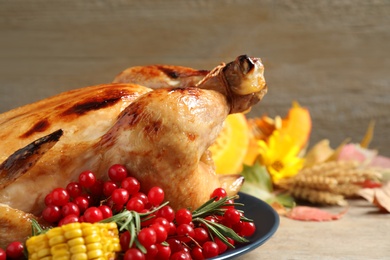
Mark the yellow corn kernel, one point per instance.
(44, 252)
(57, 240)
(46, 258)
(61, 257)
(54, 232)
(73, 234)
(76, 242)
(60, 250)
(79, 256)
(94, 238)
(78, 249)
(94, 246)
(71, 226)
(95, 254)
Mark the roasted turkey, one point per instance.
(159, 124)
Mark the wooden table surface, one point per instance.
(331, 56)
(362, 233)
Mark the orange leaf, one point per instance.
(380, 197)
(297, 124)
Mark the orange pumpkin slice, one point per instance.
(230, 148)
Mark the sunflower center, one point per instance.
(277, 165)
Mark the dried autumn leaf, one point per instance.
(380, 197)
(320, 152)
(305, 213)
(354, 152)
(365, 142)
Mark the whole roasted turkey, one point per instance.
(157, 120)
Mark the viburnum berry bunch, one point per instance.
(149, 228)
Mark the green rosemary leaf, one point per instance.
(223, 231)
(137, 223)
(211, 205)
(129, 219)
(133, 234)
(36, 229)
(140, 247)
(228, 232)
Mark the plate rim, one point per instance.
(244, 249)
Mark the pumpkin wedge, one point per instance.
(231, 146)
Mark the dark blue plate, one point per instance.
(265, 219)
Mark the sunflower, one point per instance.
(280, 156)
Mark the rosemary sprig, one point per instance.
(36, 229)
(215, 207)
(222, 231)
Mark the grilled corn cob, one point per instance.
(73, 241)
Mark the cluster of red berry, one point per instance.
(163, 234)
(92, 200)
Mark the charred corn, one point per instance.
(76, 241)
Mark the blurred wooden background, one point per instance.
(331, 56)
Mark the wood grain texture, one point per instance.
(331, 56)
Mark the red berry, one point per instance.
(229, 204)
(175, 245)
(120, 196)
(183, 216)
(93, 214)
(131, 184)
(49, 199)
(117, 172)
(172, 229)
(185, 232)
(210, 249)
(232, 216)
(87, 179)
(81, 202)
(181, 255)
(3, 254)
(68, 219)
(156, 196)
(219, 193)
(124, 240)
(222, 247)
(108, 188)
(74, 189)
(247, 229)
(70, 208)
(141, 196)
(201, 235)
(97, 188)
(60, 197)
(166, 212)
(51, 214)
(14, 250)
(161, 232)
(151, 252)
(197, 253)
(164, 252)
(135, 204)
(147, 237)
(162, 221)
(106, 211)
(133, 254)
